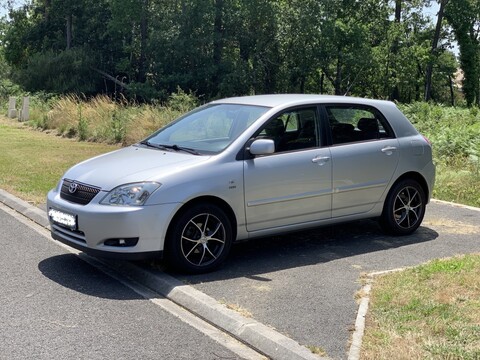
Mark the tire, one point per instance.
(404, 208)
(199, 239)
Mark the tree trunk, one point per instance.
(433, 51)
(452, 93)
(322, 81)
(217, 41)
(395, 94)
(69, 30)
(338, 75)
(142, 61)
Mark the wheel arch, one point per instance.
(418, 178)
(222, 204)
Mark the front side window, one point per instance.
(292, 130)
(208, 129)
(354, 123)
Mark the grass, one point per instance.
(317, 350)
(100, 119)
(237, 308)
(32, 162)
(427, 312)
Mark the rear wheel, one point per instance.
(404, 208)
(199, 239)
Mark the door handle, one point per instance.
(389, 150)
(321, 160)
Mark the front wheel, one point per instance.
(404, 208)
(199, 239)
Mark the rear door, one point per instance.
(365, 155)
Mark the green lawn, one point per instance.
(32, 162)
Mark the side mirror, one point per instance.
(262, 147)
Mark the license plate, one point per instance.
(62, 218)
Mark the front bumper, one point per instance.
(98, 224)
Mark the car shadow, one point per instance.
(249, 259)
(259, 256)
(71, 272)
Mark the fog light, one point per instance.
(122, 242)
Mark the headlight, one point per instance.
(130, 194)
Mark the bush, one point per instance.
(455, 137)
(66, 72)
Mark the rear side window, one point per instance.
(353, 123)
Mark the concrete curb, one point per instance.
(456, 205)
(31, 212)
(259, 336)
(262, 338)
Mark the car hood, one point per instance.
(129, 165)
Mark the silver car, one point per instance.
(242, 168)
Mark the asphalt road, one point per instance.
(54, 305)
(302, 284)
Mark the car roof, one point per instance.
(275, 100)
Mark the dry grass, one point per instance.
(428, 312)
(237, 308)
(102, 120)
(453, 227)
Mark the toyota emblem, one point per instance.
(72, 188)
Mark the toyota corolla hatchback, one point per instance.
(242, 168)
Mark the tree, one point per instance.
(464, 17)
(216, 48)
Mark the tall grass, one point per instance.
(100, 119)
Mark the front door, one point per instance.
(293, 185)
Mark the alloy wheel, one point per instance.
(203, 239)
(407, 207)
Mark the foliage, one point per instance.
(454, 132)
(63, 72)
(464, 16)
(217, 48)
(455, 137)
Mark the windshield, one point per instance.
(209, 129)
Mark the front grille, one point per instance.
(83, 193)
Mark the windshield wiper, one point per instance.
(156, 146)
(180, 148)
(170, 147)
